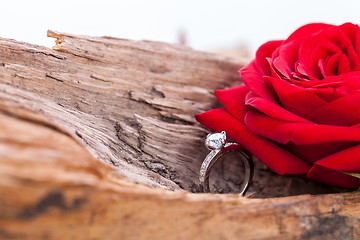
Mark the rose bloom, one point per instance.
(299, 108)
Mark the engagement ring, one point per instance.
(216, 142)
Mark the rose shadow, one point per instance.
(227, 175)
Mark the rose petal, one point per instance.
(309, 58)
(298, 133)
(314, 152)
(353, 33)
(253, 80)
(271, 109)
(347, 160)
(294, 98)
(328, 94)
(325, 52)
(274, 72)
(285, 58)
(350, 30)
(344, 111)
(328, 82)
(233, 100)
(278, 159)
(332, 177)
(282, 67)
(357, 46)
(344, 65)
(289, 54)
(352, 81)
(321, 51)
(300, 70)
(307, 30)
(322, 67)
(331, 66)
(321, 54)
(265, 51)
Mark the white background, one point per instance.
(208, 24)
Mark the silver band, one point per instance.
(218, 146)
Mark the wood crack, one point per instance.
(54, 78)
(120, 134)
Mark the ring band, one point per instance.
(217, 144)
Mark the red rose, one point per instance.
(299, 110)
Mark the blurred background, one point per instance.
(227, 26)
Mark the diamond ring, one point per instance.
(216, 142)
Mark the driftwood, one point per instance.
(98, 141)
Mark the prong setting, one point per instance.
(215, 141)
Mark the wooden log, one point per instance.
(98, 141)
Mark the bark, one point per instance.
(98, 141)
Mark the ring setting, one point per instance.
(215, 141)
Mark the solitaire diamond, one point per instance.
(215, 140)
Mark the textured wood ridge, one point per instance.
(98, 141)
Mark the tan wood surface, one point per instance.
(98, 141)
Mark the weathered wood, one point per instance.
(111, 95)
(95, 134)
